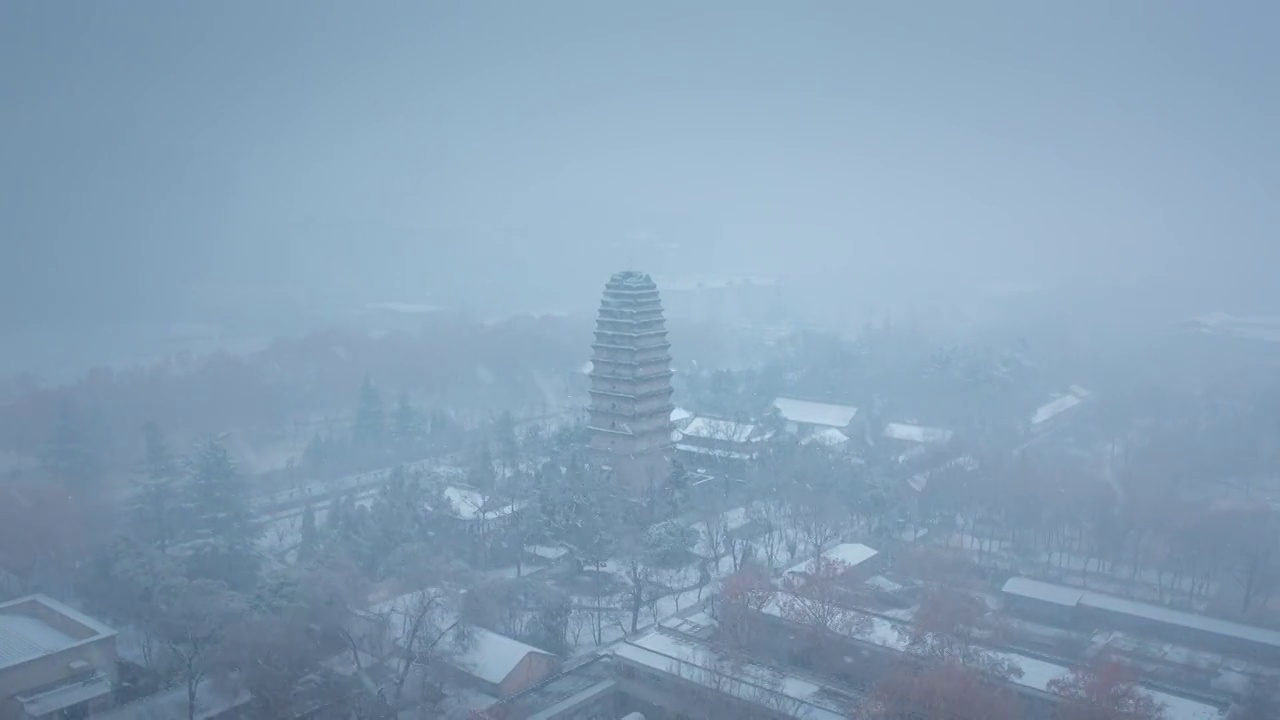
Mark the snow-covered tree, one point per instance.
(69, 457)
(370, 427)
(663, 547)
(193, 618)
(406, 424)
(1105, 691)
(221, 518)
(156, 515)
(308, 543)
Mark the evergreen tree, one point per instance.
(155, 517)
(317, 453)
(406, 427)
(69, 457)
(308, 544)
(506, 444)
(221, 516)
(480, 474)
(369, 430)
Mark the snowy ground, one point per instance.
(616, 621)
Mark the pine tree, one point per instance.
(406, 427)
(155, 518)
(68, 457)
(221, 515)
(369, 430)
(308, 544)
(317, 453)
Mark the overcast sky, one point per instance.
(155, 152)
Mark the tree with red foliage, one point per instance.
(818, 598)
(42, 528)
(949, 625)
(743, 595)
(1105, 691)
(941, 691)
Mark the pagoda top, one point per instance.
(630, 280)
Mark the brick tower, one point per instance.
(630, 413)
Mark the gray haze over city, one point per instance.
(876, 357)
(162, 158)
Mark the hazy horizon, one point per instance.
(161, 158)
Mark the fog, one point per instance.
(651, 360)
(164, 157)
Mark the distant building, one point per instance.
(916, 434)
(686, 676)
(499, 666)
(630, 410)
(724, 300)
(855, 562)
(1058, 407)
(54, 661)
(721, 446)
(808, 416)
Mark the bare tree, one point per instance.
(420, 629)
(771, 514)
(715, 531)
(814, 516)
(194, 617)
(949, 625)
(816, 599)
(743, 596)
(943, 691)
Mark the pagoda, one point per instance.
(630, 412)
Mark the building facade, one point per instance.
(630, 409)
(55, 662)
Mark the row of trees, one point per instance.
(186, 576)
(1071, 519)
(269, 389)
(944, 670)
(380, 436)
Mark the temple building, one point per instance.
(630, 411)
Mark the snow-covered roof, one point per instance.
(1039, 674)
(23, 636)
(717, 429)
(1054, 408)
(491, 657)
(1043, 591)
(679, 414)
(211, 701)
(66, 695)
(754, 683)
(916, 433)
(808, 412)
(920, 480)
(850, 554)
(880, 582)
(828, 436)
(870, 629)
(1158, 613)
(713, 452)
(470, 504)
(1169, 616)
(1036, 674)
(547, 552)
